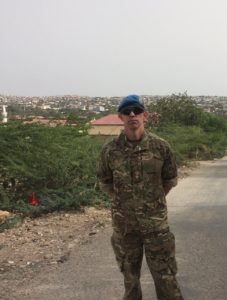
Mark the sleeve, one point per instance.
(169, 169)
(104, 173)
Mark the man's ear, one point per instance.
(146, 116)
(120, 116)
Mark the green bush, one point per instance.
(193, 133)
(192, 142)
(178, 109)
(58, 164)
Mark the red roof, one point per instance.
(108, 120)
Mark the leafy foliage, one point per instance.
(58, 164)
(179, 109)
(193, 133)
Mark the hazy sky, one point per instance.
(113, 47)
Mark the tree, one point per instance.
(179, 109)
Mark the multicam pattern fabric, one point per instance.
(135, 174)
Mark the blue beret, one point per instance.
(131, 100)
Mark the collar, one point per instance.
(143, 144)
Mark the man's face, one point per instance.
(133, 117)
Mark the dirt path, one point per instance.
(85, 268)
(44, 242)
(48, 240)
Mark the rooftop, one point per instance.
(112, 119)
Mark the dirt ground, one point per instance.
(48, 240)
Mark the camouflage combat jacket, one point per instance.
(135, 175)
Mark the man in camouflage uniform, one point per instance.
(138, 169)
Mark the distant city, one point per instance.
(212, 104)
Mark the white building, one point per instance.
(4, 114)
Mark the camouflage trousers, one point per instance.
(160, 256)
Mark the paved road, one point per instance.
(198, 217)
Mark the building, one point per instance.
(45, 121)
(4, 114)
(108, 125)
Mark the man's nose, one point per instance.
(132, 114)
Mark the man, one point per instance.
(138, 169)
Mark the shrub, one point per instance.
(58, 164)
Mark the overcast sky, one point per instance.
(113, 47)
